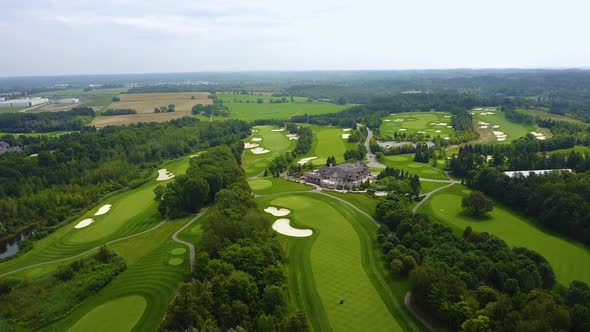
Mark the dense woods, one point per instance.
(45, 122)
(476, 282)
(239, 280)
(118, 111)
(72, 172)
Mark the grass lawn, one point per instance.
(12, 109)
(132, 211)
(544, 114)
(328, 141)
(405, 162)
(275, 141)
(362, 201)
(270, 185)
(513, 130)
(414, 122)
(340, 261)
(566, 257)
(123, 313)
(578, 148)
(427, 186)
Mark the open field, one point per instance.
(12, 109)
(253, 99)
(579, 149)
(327, 141)
(513, 130)
(270, 185)
(144, 104)
(361, 200)
(98, 98)
(405, 162)
(544, 114)
(427, 186)
(565, 256)
(427, 123)
(275, 141)
(338, 262)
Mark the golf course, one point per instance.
(328, 141)
(429, 124)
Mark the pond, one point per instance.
(11, 247)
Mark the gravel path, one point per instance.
(190, 246)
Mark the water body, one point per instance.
(11, 247)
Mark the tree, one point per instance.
(477, 204)
(170, 108)
(415, 184)
(297, 322)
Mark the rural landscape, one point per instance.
(217, 167)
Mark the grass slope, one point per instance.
(417, 121)
(328, 141)
(564, 256)
(512, 129)
(405, 162)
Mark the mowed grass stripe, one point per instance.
(337, 266)
(566, 257)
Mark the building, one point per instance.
(537, 172)
(341, 176)
(23, 102)
(68, 101)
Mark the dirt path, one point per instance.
(190, 246)
(408, 304)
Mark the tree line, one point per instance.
(46, 121)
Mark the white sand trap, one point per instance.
(381, 193)
(472, 113)
(387, 120)
(256, 139)
(449, 127)
(195, 155)
(447, 138)
(306, 160)
(421, 132)
(84, 223)
(164, 175)
(399, 120)
(345, 136)
(446, 116)
(541, 138)
(254, 130)
(346, 129)
(483, 127)
(478, 109)
(250, 145)
(437, 131)
(283, 226)
(501, 139)
(281, 129)
(292, 137)
(259, 150)
(34, 155)
(277, 212)
(495, 126)
(402, 129)
(103, 210)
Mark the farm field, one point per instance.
(144, 104)
(544, 114)
(430, 124)
(563, 255)
(280, 111)
(405, 162)
(327, 141)
(98, 98)
(483, 118)
(345, 266)
(275, 141)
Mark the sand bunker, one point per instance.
(34, 155)
(398, 120)
(421, 132)
(195, 155)
(446, 116)
(345, 136)
(447, 138)
(346, 129)
(501, 139)
(437, 131)
(254, 130)
(483, 127)
(103, 209)
(495, 126)
(381, 193)
(84, 223)
(164, 175)
(293, 137)
(283, 226)
(386, 120)
(306, 160)
(259, 150)
(449, 127)
(277, 212)
(281, 129)
(402, 129)
(256, 139)
(250, 145)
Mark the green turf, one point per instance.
(327, 141)
(178, 251)
(579, 149)
(565, 256)
(512, 129)
(413, 122)
(96, 97)
(175, 261)
(362, 201)
(426, 186)
(117, 315)
(544, 114)
(405, 162)
(345, 265)
(275, 141)
(272, 185)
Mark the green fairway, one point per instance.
(544, 114)
(565, 256)
(362, 201)
(339, 262)
(270, 185)
(275, 141)
(427, 186)
(327, 141)
(132, 211)
(405, 162)
(482, 118)
(579, 149)
(117, 315)
(430, 124)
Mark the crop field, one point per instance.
(482, 118)
(430, 124)
(338, 262)
(144, 104)
(544, 114)
(328, 141)
(98, 98)
(565, 256)
(405, 162)
(275, 141)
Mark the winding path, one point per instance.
(190, 246)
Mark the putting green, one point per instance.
(117, 315)
(260, 184)
(178, 251)
(175, 261)
(338, 264)
(563, 255)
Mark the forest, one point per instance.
(240, 280)
(72, 172)
(46, 121)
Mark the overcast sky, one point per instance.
(47, 37)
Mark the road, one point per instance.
(190, 246)
(370, 156)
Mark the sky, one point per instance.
(65, 37)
